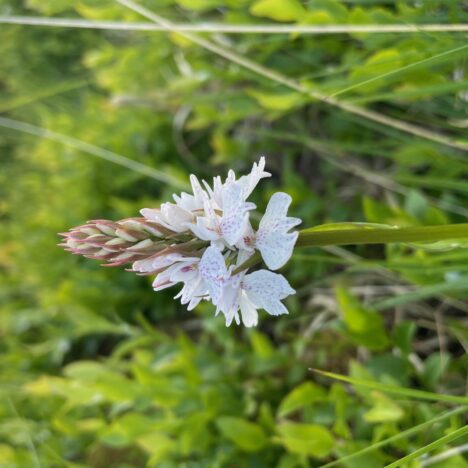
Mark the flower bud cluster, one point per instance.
(201, 240)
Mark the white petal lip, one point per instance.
(273, 240)
(276, 248)
(266, 289)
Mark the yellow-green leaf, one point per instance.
(384, 409)
(246, 435)
(306, 439)
(364, 326)
(276, 101)
(302, 395)
(279, 10)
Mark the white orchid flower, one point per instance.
(170, 216)
(160, 261)
(200, 240)
(273, 240)
(247, 182)
(244, 294)
(214, 272)
(182, 270)
(186, 271)
(226, 209)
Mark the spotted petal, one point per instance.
(266, 289)
(235, 214)
(213, 271)
(273, 240)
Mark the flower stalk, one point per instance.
(383, 235)
(358, 234)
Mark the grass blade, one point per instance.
(397, 437)
(396, 390)
(236, 28)
(410, 66)
(279, 78)
(93, 150)
(423, 292)
(433, 445)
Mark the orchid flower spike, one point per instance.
(201, 240)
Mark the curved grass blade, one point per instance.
(433, 445)
(410, 66)
(102, 153)
(423, 292)
(273, 75)
(397, 437)
(396, 390)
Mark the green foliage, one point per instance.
(98, 370)
(365, 327)
(279, 10)
(305, 439)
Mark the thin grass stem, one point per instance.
(235, 28)
(93, 150)
(279, 78)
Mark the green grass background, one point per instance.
(97, 370)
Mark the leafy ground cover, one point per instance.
(97, 370)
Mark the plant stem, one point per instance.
(366, 235)
(320, 238)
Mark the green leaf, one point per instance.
(126, 429)
(416, 204)
(384, 410)
(261, 345)
(246, 435)
(365, 326)
(302, 395)
(278, 101)
(279, 10)
(434, 367)
(198, 5)
(403, 334)
(305, 439)
(380, 63)
(158, 445)
(396, 390)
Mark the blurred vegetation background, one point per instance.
(97, 370)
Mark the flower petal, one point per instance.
(265, 290)
(235, 218)
(249, 182)
(248, 310)
(274, 242)
(213, 270)
(276, 248)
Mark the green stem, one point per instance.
(369, 235)
(321, 238)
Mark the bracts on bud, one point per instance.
(117, 243)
